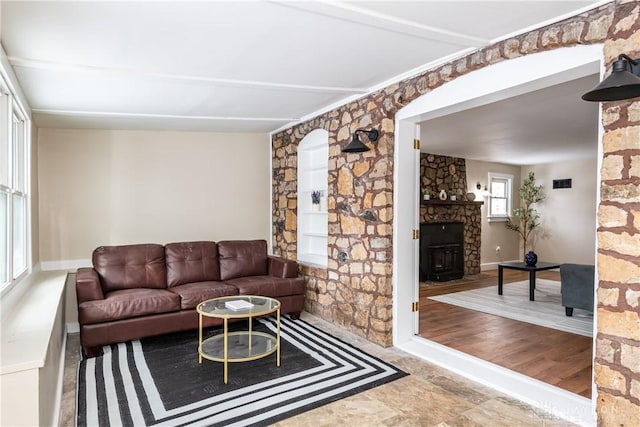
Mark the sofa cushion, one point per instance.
(268, 286)
(240, 258)
(192, 294)
(130, 266)
(190, 262)
(127, 303)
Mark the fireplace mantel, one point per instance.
(451, 202)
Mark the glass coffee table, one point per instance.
(238, 346)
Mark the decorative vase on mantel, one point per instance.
(530, 258)
(443, 195)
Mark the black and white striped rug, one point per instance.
(158, 381)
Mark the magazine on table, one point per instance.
(238, 305)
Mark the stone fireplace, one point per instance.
(449, 174)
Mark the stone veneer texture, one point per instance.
(443, 173)
(617, 358)
(450, 173)
(355, 290)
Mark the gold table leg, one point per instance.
(226, 350)
(200, 338)
(250, 331)
(278, 339)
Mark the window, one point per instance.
(14, 198)
(500, 200)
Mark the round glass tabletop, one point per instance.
(238, 306)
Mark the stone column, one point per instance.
(617, 358)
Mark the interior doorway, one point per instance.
(490, 84)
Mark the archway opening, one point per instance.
(488, 85)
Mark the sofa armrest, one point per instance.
(283, 268)
(577, 285)
(88, 285)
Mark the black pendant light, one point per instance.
(622, 83)
(356, 146)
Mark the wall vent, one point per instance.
(562, 183)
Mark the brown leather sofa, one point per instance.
(136, 291)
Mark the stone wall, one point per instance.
(355, 290)
(443, 173)
(617, 358)
(450, 174)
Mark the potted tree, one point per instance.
(525, 219)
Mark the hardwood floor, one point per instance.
(555, 357)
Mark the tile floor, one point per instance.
(430, 396)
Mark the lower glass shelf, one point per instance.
(242, 346)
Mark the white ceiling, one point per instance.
(549, 125)
(257, 66)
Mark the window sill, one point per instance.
(28, 321)
(497, 219)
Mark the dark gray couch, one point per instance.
(577, 286)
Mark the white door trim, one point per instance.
(489, 84)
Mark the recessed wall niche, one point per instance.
(313, 162)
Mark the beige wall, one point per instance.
(494, 233)
(568, 216)
(100, 187)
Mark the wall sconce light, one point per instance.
(622, 83)
(483, 193)
(356, 146)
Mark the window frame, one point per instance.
(15, 125)
(508, 179)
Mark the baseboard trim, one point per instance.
(548, 398)
(73, 327)
(489, 266)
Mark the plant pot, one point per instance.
(426, 197)
(453, 198)
(315, 207)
